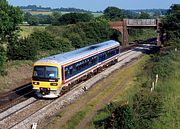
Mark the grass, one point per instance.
(97, 14)
(41, 12)
(18, 63)
(170, 90)
(122, 96)
(146, 34)
(62, 12)
(27, 30)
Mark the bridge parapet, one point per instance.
(141, 22)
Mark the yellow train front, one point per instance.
(46, 79)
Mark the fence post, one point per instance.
(157, 77)
(152, 88)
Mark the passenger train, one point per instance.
(53, 74)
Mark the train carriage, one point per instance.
(54, 73)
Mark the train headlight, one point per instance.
(53, 84)
(36, 83)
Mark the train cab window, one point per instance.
(45, 72)
(51, 72)
(39, 72)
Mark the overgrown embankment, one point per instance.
(156, 105)
(18, 73)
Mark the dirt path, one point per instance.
(101, 94)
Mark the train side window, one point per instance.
(71, 71)
(66, 72)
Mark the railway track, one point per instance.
(19, 114)
(15, 96)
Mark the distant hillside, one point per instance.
(49, 9)
(40, 8)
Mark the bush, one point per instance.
(96, 31)
(73, 18)
(146, 106)
(43, 39)
(123, 118)
(164, 66)
(23, 49)
(64, 44)
(76, 40)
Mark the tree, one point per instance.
(30, 19)
(23, 49)
(55, 18)
(144, 15)
(65, 44)
(73, 18)
(10, 18)
(76, 40)
(43, 40)
(113, 13)
(172, 20)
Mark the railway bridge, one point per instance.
(124, 25)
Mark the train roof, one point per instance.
(67, 57)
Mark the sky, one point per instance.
(98, 5)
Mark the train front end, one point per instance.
(46, 80)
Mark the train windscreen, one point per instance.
(47, 72)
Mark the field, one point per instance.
(50, 12)
(41, 12)
(27, 30)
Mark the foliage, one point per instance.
(37, 8)
(83, 34)
(35, 20)
(10, 17)
(63, 44)
(96, 31)
(73, 18)
(43, 40)
(163, 67)
(30, 19)
(2, 59)
(172, 20)
(144, 15)
(55, 18)
(113, 13)
(22, 49)
(76, 40)
(147, 106)
(123, 118)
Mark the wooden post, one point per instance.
(157, 77)
(152, 88)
